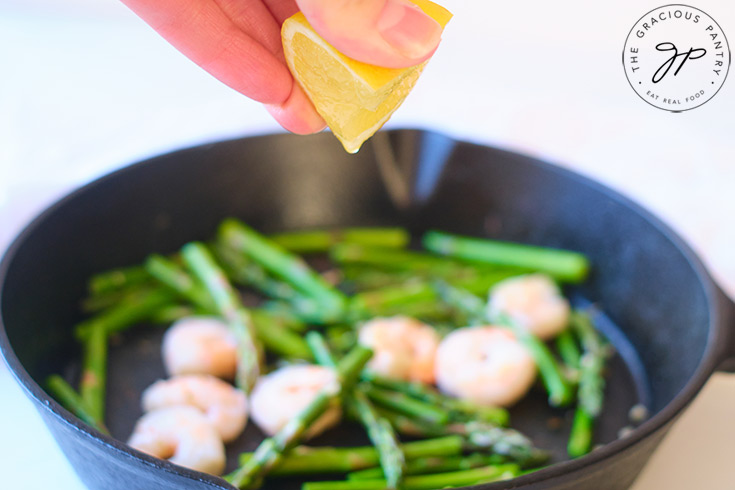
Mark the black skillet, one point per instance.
(675, 324)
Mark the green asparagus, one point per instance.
(434, 464)
(281, 263)
(380, 432)
(271, 451)
(314, 241)
(116, 279)
(390, 258)
(177, 279)
(303, 460)
(92, 386)
(73, 402)
(485, 474)
(563, 265)
(407, 405)
(198, 259)
(133, 310)
(591, 392)
(247, 273)
(459, 410)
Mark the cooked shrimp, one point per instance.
(279, 396)
(183, 436)
(533, 301)
(200, 345)
(224, 406)
(485, 365)
(403, 348)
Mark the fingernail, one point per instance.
(408, 29)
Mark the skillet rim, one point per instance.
(707, 364)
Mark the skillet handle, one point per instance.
(727, 363)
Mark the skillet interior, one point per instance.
(282, 182)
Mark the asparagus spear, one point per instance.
(459, 410)
(116, 279)
(407, 405)
(390, 300)
(132, 310)
(170, 313)
(580, 436)
(281, 263)
(275, 337)
(591, 393)
(247, 273)
(200, 262)
(481, 436)
(485, 474)
(566, 344)
(314, 241)
(72, 401)
(559, 389)
(282, 316)
(434, 464)
(383, 437)
(563, 265)
(377, 302)
(365, 278)
(271, 451)
(416, 262)
(94, 373)
(380, 432)
(303, 460)
(96, 303)
(177, 279)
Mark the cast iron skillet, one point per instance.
(675, 323)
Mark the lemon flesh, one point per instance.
(354, 98)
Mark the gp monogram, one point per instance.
(676, 57)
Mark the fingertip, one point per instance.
(411, 33)
(389, 33)
(297, 113)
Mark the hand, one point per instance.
(239, 42)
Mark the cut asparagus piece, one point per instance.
(435, 464)
(281, 263)
(407, 405)
(591, 392)
(247, 273)
(271, 451)
(407, 260)
(93, 384)
(198, 259)
(304, 460)
(315, 241)
(566, 344)
(563, 265)
(380, 432)
(460, 410)
(178, 280)
(485, 474)
(478, 436)
(72, 401)
(116, 279)
(131, 311)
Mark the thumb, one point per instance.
(390, 33)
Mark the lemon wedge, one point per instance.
(354, 98)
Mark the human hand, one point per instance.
(239, 42)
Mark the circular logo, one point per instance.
(676, 57)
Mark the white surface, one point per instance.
(85, 87)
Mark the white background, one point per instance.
(85, 87)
